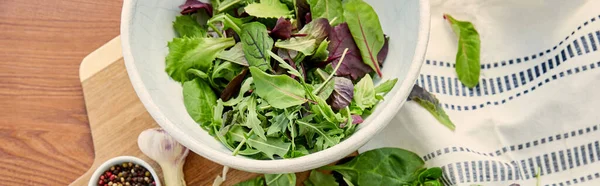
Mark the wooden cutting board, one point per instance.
(117, 116)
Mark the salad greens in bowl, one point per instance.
(274, 86)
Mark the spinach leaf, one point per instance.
(281, 179)
(467, 57)
(282, 29)
(197, 53)
(255, 43)
(187, 26)
(280, 91)
(364, 93)
(306, 46)
(366, 31)
(432, 104)
(228, 22)
(258, 181)
(383, 166)
(317, 178)
(235, 55)
(199, 100)
(252, 120)
(321, 53)
(329, 9)
(430, 176)
(385, 87)
(268, 9)
(343, 93)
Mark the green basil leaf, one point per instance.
(467, 57)
(258, 181)
(383, 166)
(252, 120)
(281, 179)
(366, 30)
(317, 178)
(199, 100)
(322, 53)
(432, 104)
(269, 9)
(197, 53)
(385, 87)
(306, 46)
(364, 93)
(256, 42)
(187, 26)
(235, 55)
(228, 22)
(329, 9)
(280, 91)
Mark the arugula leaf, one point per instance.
(467, 57)
(325, 138)
(364, 93)
(281, 179)
(385, 87)
(327, 89)
(321, 53)
(353, 65)
(235, 55)
(278, 125)
(192, 6)
(432, 104)
(258, 181)
(343, 93)
(306, 46)
(270, 147)
(366, 30)
(282, 29)
(252, 120)
(383, 166)
(228, 22)
(199, 100)
(256, 42)
(197, 53)
(269, 9)
(187, 26)
(280, 91)
(317, 178)
(329, 9)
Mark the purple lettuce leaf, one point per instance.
(352, 66)
(302, 13)
(282, 29)
(233, 87)
(342, 94)
(356, 119)
(318, 29)
(191, 6)
(384, 51)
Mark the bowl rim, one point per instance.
(121, 159)
(299, 164)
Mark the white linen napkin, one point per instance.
(536, 108)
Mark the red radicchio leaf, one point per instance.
(356, 119)
(191, 6)
(384, 51)
(233, 87)
(342, 94)
(352, 66)
(282, 29)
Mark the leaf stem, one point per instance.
(237, 149)
(334, 71)
(216, 30)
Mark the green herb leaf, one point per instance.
(245, 87)
(431, 103)
(252, 120)
(467, 57)
(228, 22)
(256, 42)
(329, 9)
(306, 46)
(364, 93)
(269, 9)
(328, 134)
(235, 55)
(291, 70)
(270, 147)
(383, 166)
(322, 53)
(278, 125)
(385, 87)
(187, 26)
(197, 53)
(199, 101)
(326, 91)
(281, 179)
(258, 181)
(366, 30)
(280, 91)
(317, 178)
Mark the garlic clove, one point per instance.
(167, 152)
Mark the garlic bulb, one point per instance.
(168, 153)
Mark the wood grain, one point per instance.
(44, 133)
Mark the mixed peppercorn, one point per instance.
(126, 174)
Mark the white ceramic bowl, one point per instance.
(118, 160)
(146, 27)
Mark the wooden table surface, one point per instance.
(44, 133)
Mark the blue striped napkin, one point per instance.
(536, 110)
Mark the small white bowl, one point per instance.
(147, 27)
(118, 160)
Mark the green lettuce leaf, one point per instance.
(187, 26)
(197, 53)
(269, 9)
